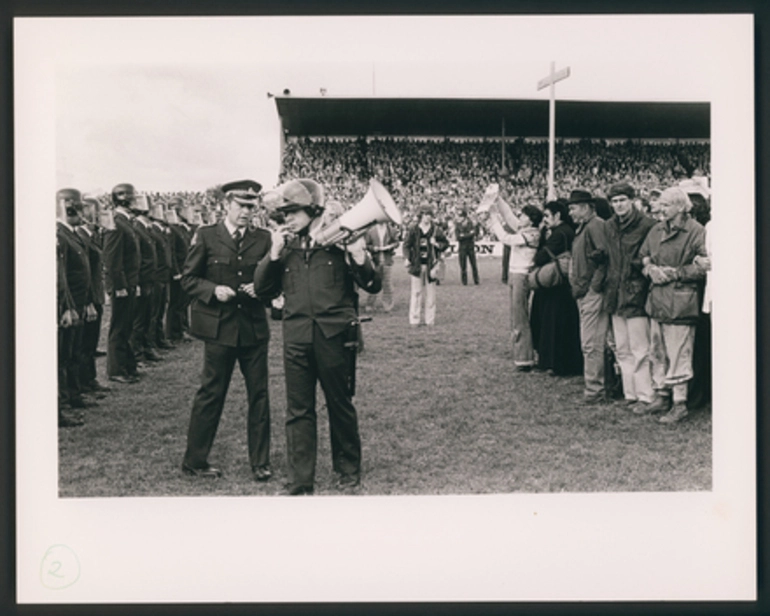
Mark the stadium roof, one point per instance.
(319, 116)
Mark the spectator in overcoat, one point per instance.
(669, 256)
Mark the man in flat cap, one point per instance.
(587, 278)
(121, 265)
(231, 319)
(625, 294)
(320, 330)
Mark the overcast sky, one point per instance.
(181, 104)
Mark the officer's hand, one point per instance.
(278, 239)
(91, 313)
(121, 293)
(224, 293)
(69, 318)
(357, 250)
(248, 289)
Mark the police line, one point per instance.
(483, 249)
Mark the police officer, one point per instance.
(319, 330)
(165, 266)
(141, 339)
(231, 319)
(121, 264)
(178, 216)
(77, 272)
(91, 235)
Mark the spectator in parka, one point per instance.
(424, 244)
(668, 255)
(625, 293)
(587, 278)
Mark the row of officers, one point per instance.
(132, 254)
(157, 265)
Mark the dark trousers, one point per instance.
(91, 331)
(177, 307)
(506, 261)
(324, 360)
(467, 252)
(218, 364)
(699, 386)
(70, 341)
(120, 356)
(140, 337)
(157, 334)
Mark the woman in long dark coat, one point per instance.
(555, 321)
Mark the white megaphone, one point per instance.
(491, 195)
(376, 206)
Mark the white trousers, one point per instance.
(421, 288)
(632, 349)
(671, 351)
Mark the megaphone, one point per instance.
(376, 206)
(490, 198)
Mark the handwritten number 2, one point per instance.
(54, 568)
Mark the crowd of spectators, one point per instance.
(452, 174)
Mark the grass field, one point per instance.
(441, 411)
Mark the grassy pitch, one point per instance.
(441, 411)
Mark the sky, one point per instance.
(182, 104)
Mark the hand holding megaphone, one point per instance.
(357, 250)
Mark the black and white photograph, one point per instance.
(467, 301)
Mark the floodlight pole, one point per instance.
(551, 80)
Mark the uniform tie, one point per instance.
(237, 237)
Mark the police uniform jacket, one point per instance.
(76, 266)
(214, 260)
(148, 253)
(92, 240)
(121, 255)
(163, 250)
(318, 287)
(180, 244)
